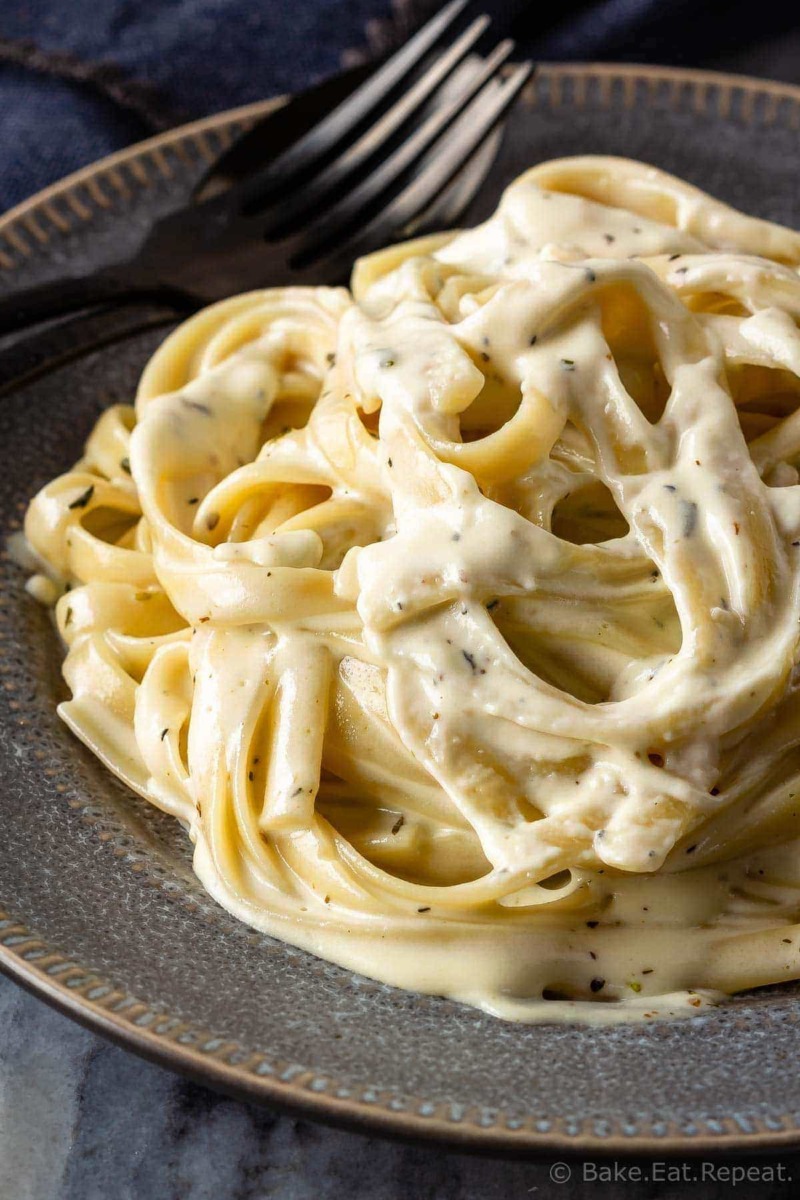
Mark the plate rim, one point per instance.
(48, 975)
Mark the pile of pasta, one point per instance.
(457, 618)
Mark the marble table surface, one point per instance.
(82, 1119)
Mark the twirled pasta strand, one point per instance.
(458, 621)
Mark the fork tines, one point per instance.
(453, 152)
(345, 120)
(397, 152)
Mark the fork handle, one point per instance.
(40, 351)
(61, 297)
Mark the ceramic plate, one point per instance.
(101, 913)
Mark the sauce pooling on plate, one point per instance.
(457, 619)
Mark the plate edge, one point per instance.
(351, 1113)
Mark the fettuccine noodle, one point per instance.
(457, 619)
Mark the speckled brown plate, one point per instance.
(102, 915)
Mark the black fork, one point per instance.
(360, 177)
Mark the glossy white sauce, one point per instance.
(550, 767)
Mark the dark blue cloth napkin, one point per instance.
(81, 78)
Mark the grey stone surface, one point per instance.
(81, 1119)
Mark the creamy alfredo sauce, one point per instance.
(458, 623)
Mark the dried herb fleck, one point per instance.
(196, 406)
(84, 498)
(688, 517)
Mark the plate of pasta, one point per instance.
(399, 681)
